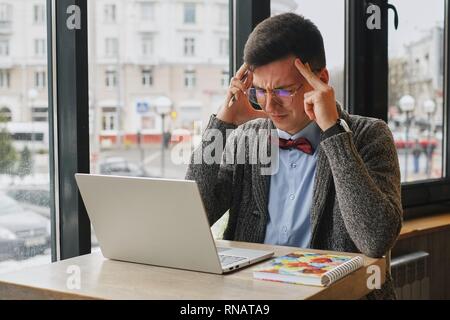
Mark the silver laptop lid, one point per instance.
(152, 221)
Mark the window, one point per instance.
(416, 89)
(157, 89)
(39, 14)
(189, 13)
(331, 23)
(5, 114)
(4, 47)
(39, 114)
(40, 79)
(189, 79)
(147, 10)
(40, 47)
(109, 119)
(225, 79)
(223, 47)
(147, 45)
(111, 47)
(25, 229)
(110, 13)
(111, 78)
(5, 14)
(223, 14)
(189, 46)
(147, 77)
(4, 78)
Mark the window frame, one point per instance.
(68, 91)
(366, 92)
(68, 105)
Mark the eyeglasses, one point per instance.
(283, 97)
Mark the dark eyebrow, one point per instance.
(285, 86)
(279, 87)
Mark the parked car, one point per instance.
(32, 197)
(23, 233)
(37, 199)
(121, 167)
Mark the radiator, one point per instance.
(411, 276)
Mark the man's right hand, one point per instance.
(237, 109)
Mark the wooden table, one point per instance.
(108, 279)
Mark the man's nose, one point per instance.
(270, 103)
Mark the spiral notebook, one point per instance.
(308, 268)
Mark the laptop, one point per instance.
(159, 222)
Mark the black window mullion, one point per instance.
(72, 121)
(366, 64)
(245, 15)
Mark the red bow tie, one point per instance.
(301, 144)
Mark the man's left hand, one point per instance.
(320, 102)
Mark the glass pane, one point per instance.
(331, 23)
(151, 98)
(24, 144)
(416, 73)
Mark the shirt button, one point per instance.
(284, 229)
(293, 165)
(292, 197)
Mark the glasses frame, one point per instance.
(270, 91)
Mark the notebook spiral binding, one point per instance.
(341, 271)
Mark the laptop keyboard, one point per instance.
(227, 260)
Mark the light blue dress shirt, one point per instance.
(291, 192)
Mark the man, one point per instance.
(337, 186)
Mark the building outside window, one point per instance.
(147, 44)
(189, 13)
(4, 78)
(110, 13)
(111, 47)
(189, 79)
(39, 14)
(416, 89)
(109, 119)
(40, 47)
(224, 79)
(4, 47)
(40, 79)
(147, 10)
(39, 114)
(189, 47)
(25, 229)
(223, 14)
(223, 47)
(111, 78)
(147, 77)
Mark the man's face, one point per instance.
(282, 74)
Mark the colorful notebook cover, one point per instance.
(308, 268)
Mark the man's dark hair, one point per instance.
(282, 35)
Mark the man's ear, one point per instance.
(324, 75)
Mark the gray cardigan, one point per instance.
(356, 203)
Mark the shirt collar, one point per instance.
(311, 132)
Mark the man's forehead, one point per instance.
(276, 77)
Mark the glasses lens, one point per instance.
(282, 93)
(282, 96)
(256, 96)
